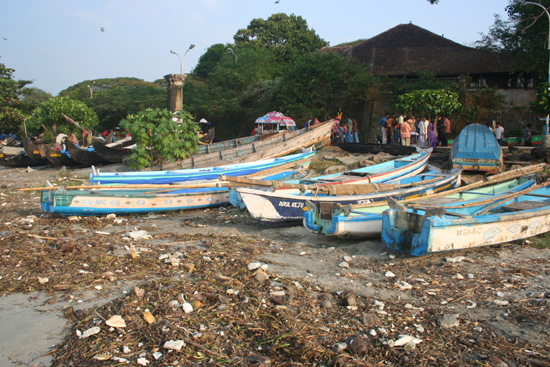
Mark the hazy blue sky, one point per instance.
(58, 43)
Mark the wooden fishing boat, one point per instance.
(32, 151)
(116, 152)
(194, 174)
(84, 156)
(432, 227)
(366, 148)
(117, 199)
(333, 219)
(15, 157)
(477, 149)
(364, 220)
(55, 157)
(284, 205)
(242, 151)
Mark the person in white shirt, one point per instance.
(499, 133)
(422, 132)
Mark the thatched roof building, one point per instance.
(407, 50)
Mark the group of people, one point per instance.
(407, 130)
(345, 131)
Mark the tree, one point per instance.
(286, 35)
(115, 98)
(11, 115)
(49, 115)
(161, 136)
(524, 35)
(209, 60)
(429, 103)
(31, 98)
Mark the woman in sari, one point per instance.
(432, 135)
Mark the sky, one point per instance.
(59, 43)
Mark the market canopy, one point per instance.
(276, 118)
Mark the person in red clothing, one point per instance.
(447, 126)
(405, 130)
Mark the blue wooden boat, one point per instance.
(365, 220)
(194, 174)
(477, 149)
(118, 199)
(337, 219)
(491, 219)
(286, 205)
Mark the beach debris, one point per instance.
(449, 321)
(89, 332)
(139, 235)
(116, 321)
(174, 344)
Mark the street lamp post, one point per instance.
(230, 50)
(548, 46)
(182, 59)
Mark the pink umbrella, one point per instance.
(275, 117)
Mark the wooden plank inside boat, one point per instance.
(524, 205)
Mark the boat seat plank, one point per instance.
(437, 201)
(524, 205)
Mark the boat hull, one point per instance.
(282, 206)
(84, 156)
(273, 146)
(56, 157)
(210, 173)
(480, 222)
(477, 149)
(332, 221)
(33, 152)
(130, 202)
(377, 148)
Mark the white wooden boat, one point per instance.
(284, 205)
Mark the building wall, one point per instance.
(518, 97)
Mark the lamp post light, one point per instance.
(182, 59)
(548, 46)
(230, 50)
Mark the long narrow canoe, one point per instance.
(116, 152)
(113, 200)
(84, 156)
(477, 149)
(251, 149)
(284, 205)
(428, 227)
(32, 151)
(367, 222)
(377, 148)
(194, 174)
(15, 157)
(57, 158)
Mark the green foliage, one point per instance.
(115, 98)
(542, 104)
(209, 60)
(286, 35)
(524, 35)
(161, 136)
(49, 115)
(11, 115)
(31, 98)
(429, 102)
